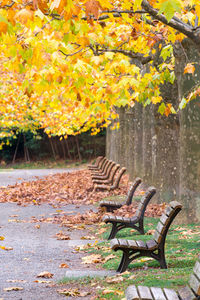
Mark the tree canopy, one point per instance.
(66, 65)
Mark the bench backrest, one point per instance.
(132, 190)
(98, 160)
(107, 166)
(114, 171)
(165, 221)
(118, 177)
(194, 281)
(104, 166)
(102, 162)
(144, 202)
(110, 167)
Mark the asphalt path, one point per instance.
(10, 176)
(33, 246)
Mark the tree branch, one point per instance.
(131, 54)
(8, 5)
(175, 23)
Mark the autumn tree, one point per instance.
(66, 65)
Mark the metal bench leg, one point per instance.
(124, 262)
(162, 260)
(113, 231)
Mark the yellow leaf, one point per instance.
(13, 288)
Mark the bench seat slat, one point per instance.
(151, 244)
(132, 293)
(186, 294)
(163, 218)
(144, 293)
(157, 236)
(170, 294)
(195, 284)
(197, 269)
(157, 293)
(141, 244)
(132, 244)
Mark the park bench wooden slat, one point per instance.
(132, 293)
(103, 173)
(141, 244)
(132, 243)
(197, 270)
(157, 252)
(151, 244)
(144, 293)
(186, 293)
(96, 164)
(163, 218)
(101, 178)
(137, 222)
(100, 165)
(115, 184)
(170, 294)
(195, 284)
(157, 293)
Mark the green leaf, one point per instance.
(161, 108)
(167, 51)
(169, 7)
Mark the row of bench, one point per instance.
(154, 248)
(106, 174)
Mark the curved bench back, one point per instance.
(132, 190)
(165, 221)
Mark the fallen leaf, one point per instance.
(62, 236)
(6, 248)
(43, 281)
(2, 238)
(115, 279)
(69, 292)
(63, 265)
(13, 288)
(88, 238)
(107, 291)
(92, 259)
(16, 280)
(45, 274)
(150, 232)
(37, 226)
(109, 257)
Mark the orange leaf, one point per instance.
(189, 69)
(45, 274)
(92, 8)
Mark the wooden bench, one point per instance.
(110, 179)
(115, 185)
(101, 178)
(136, 222)
(154, 248)
(96, 164)
(102, 173)
(189, 292)
(110, 206)
(101, 169)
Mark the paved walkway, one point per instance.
(35, 248)
(9, 176)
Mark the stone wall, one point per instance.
(163, 151)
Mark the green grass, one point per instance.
(44, 164)
(181, 250)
